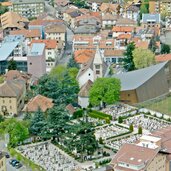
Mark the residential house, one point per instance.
(126, 22)
(3, 166)
(109, 20)
(113, 56)
(39, 102)
(36, 60)
(56, 32)
(12, 21)
(151, 152)
(114, 9)
(145, 155)
(142, 85)
(13, 48)
(131, 12)
(70, 16)
(83, 95)
(28, 34)
(120, 30)
(52, 51)
(29, 8)
(19, 75)
(91, 42)
(42, 24)
(12, 94)
(151, 21)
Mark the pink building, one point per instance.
(36, 61)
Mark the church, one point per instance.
(89, 72)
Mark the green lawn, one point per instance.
(163, 106)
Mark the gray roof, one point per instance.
(37, 49)
(6, 49)
(86, 29)
(134, 79)
(151, 18)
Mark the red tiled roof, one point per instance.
(50, 44)
(37, 102)
(27, 33)
(162, 58)
(122, 29)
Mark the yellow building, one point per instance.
(56, 32)
(2, 162)
(12, 94)
(160, 6)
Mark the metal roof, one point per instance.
(151, 17)
(134, 79)
(6, 49)
(37, 49)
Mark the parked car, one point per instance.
(18, 165)
(13, 162)
(7, 155)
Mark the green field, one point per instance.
(163, 106)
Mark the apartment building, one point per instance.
(29, 8)
(56, 32)
(12, 94)
(11, 21)
(151, 153)
(160, 6)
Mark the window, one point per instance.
(3, 101)
(30, 63)
(49, 53)
(9, 101)
(97, 72)
(128, 95)
(89, 74)
(97, 66)
(10, 107)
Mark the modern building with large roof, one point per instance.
(144, 84)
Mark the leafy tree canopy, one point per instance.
(105, 90)
(143, 58)
(12, 65)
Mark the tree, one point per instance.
(100, 140)
(3, 9)
(128, 60)
(143, 58)
(37, 123)
(12, 65)
(56, 122)
(72, 63)
(131, 128)
(165, 49)
(17, 131)
(139, 130)
(105, 91)
(152, 45)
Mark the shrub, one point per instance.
(99, 115)
(120, 119)
(131, 128)
(78, 114)
(100, 140)
(139, 130)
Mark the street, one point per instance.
(10, 167)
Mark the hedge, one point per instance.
(99, 115)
